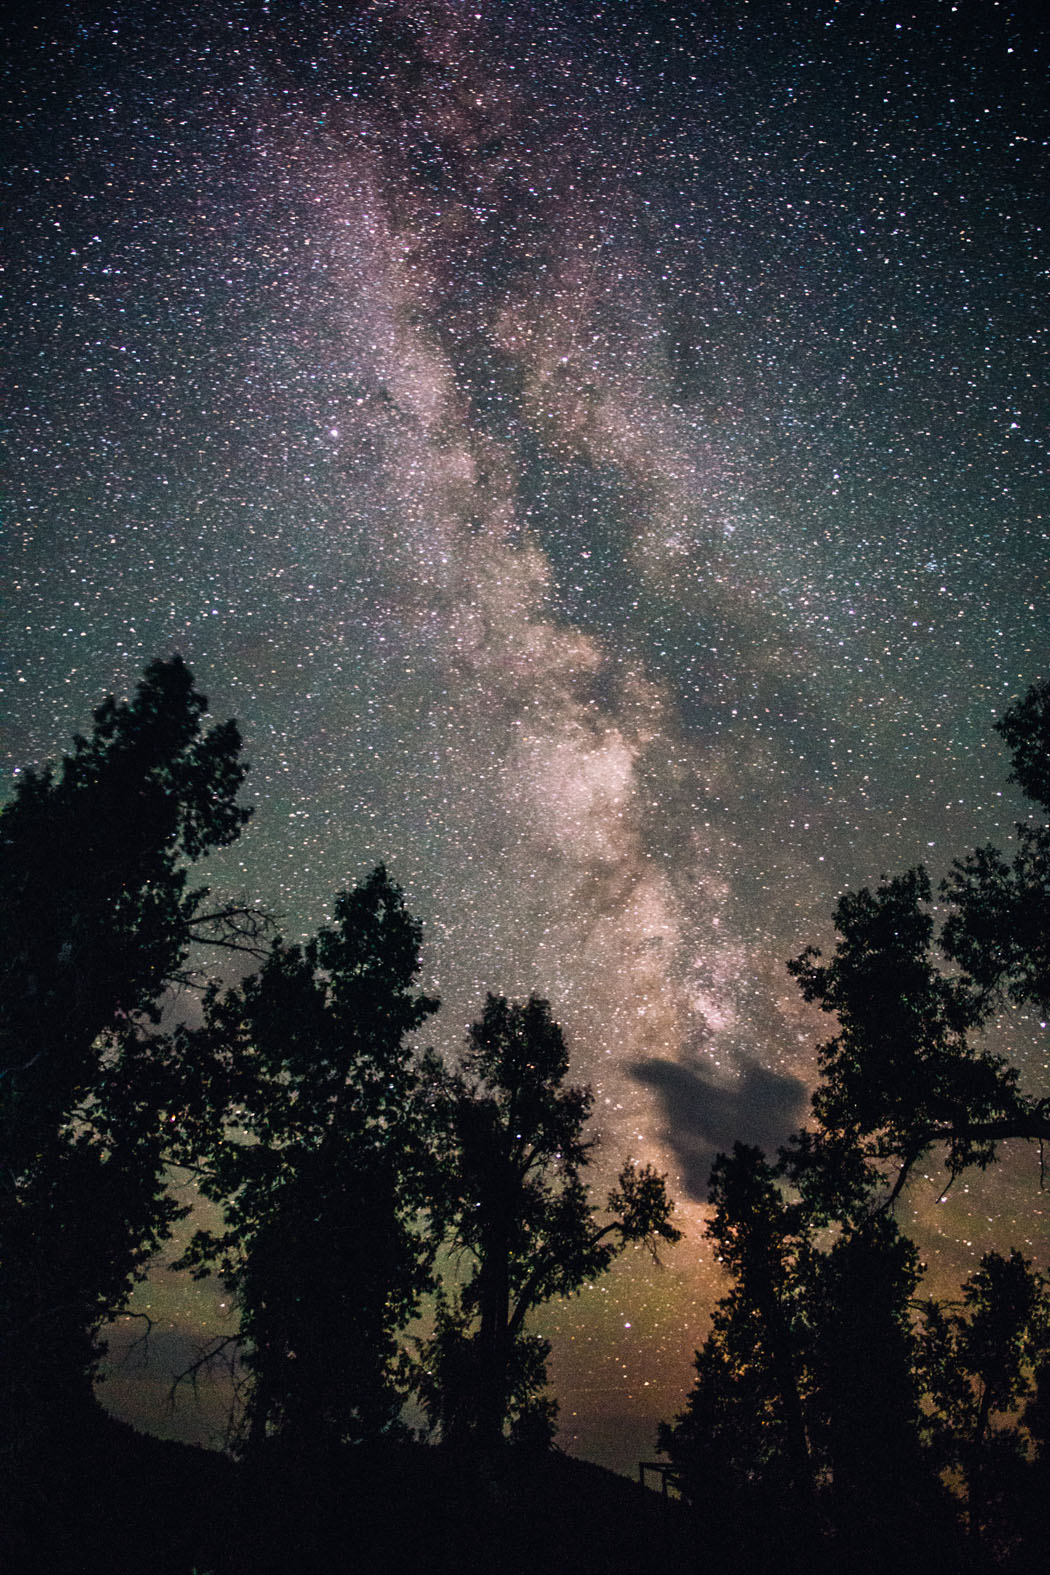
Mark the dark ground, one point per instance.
(107, 1500)
(116, 1502)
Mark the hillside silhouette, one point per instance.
(113, 1501)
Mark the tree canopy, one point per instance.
(358, 1175)
(318, 1157)
(96, 921)
(825, 1377)
(515, 1203)
(906, 1072)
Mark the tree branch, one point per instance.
(1030, 1125)
(235, 928)
(210, 1354)
(143, 1339)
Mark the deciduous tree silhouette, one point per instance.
(903, 1075)
(803, 1421)
(318, 1158)
(999, 930)
(761, 1240)
(742, 1447)
(516, 1205)
(981, 1359)
(864, 1396)
(818, 1342)
(96, 920)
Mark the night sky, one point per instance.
(598, 453)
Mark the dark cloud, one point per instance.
(705, 1118)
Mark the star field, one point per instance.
(598, 453)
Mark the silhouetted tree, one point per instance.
(903, 1075)
(980, 1361)
(96, 920)
(516, 1205)
(906, 1074)
(805, 1410)
(742, 1448)
(816, 1371)
(760, 1238)
(865, 1394)
(999, 930)
(319, 1161)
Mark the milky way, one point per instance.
(598, 454)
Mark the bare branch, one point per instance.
(234, 928)
(210, 1354)
(143, 1339)
(902, 1176)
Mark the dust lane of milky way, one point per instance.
(598, 454)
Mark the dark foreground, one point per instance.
(107, 1500)
(119, 1502)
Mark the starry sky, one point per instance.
(598, 453)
